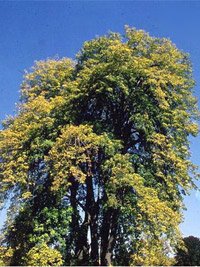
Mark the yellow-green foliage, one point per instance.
(5, 256)
(151, 252)
(76, 146)
(42, 255)
(48, 78)
(110, 130)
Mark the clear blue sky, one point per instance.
(34, 30)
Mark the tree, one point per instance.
(96, 160)
(190, 254)
(42, 255)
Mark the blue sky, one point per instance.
(35, 30)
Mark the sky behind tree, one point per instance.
(36, 30)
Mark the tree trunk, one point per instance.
(78, 238)
(82, 254)
(93, 210)
(108, 235)
(94, 235)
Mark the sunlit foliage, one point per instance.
(43, 256)
(96, 160)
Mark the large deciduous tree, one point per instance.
(96, 161)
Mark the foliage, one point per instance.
(5, 256)
(153, 253)
(42, 255)
(190, 254)
(96, 160)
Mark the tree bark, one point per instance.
(94, 235)
(93, 210)
(108, 235)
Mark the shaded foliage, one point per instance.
(190, 254)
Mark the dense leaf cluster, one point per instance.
(190, 254)
(97, 157)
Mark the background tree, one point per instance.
(190, 254)
(97, 157)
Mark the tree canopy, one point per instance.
(95, 162)
(190, 254)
